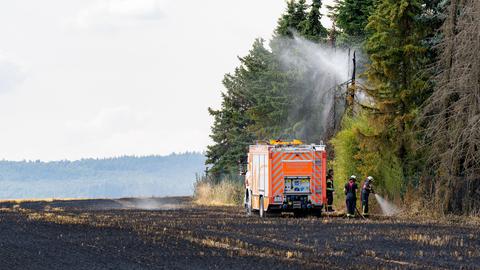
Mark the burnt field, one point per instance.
(172, 233)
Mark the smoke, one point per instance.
(167, 203)
(388, 208)
(319, 69)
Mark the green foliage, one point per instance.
(400, 45)
(298, 18)
(396, 75)
(292, 19)
(267, 87)
(351, 17)
(257, 102)
(254, 107)
(357, 156)
(311, 27)
(346, 146)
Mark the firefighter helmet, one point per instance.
(353, 177)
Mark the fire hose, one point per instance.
(359, 213)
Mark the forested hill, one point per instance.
(98, 178)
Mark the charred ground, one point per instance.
(173, 233)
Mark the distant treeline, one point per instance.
(110, 177)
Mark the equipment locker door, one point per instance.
(262, 162)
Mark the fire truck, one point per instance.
(286, 176)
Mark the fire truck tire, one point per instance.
(248, 202)
(298, 213)
(262, 212)
(317, 212)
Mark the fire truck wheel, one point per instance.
(317, 212)
(298, 213)
(248, 203)
(262, 210)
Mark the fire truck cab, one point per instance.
(285, 177)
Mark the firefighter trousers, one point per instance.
(329, 201)
(365, 202)
(351, 203)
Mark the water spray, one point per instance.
(322, 69)
(388, 208)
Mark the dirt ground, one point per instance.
(172, 233)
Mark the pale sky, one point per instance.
(103, 78)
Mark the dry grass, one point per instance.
(429, 217)
(439, 241)
(227, 193)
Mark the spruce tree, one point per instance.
(396, 73)
(451, 115)
(229, 134)
(292, 20)
(300, 14)
(351, 17)
(254, 107)
(311, 27)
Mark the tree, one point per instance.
(396, 78)
(229, 135)
(311, 27)
(452, 115)
(300, 13)
(351, 17)
(256, 104)
(254, 107)
(303, 19)
(292, 19)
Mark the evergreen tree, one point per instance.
(254, 107)
(298, 18)
(300, 14)
(256, 102)
(228, 134)
(351, 17)
(291, 20)
(396, 74)
(311, 27)
(451, 115)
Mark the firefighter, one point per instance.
(351, 190)
(330, 190)
(330, 173)
(367, 188)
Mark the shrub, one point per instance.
(359, 151)
(225, 192)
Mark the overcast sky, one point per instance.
(102, 78)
